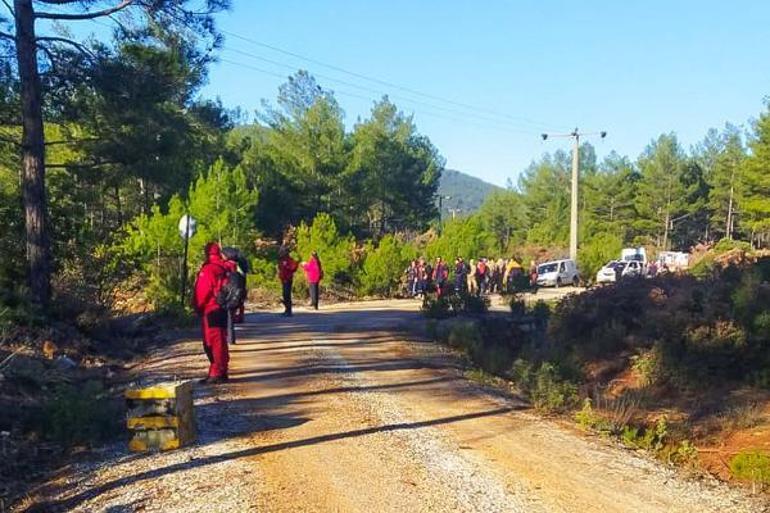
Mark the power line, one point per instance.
(481, 117)
(369, 99)
(477, 112)
(387, 83)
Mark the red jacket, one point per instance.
(313, 271)
(207, 285)
(287, 266)
(440, 273)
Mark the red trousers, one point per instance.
(214, 327)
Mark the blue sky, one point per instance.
(635, 69)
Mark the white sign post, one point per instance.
(187, 225)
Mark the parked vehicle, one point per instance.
(609, 273)
(634, 268)
(634, 255)
(558, 273)
(673, 260)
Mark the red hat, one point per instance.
(212, 248)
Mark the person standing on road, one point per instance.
(237, 262)
(440, 276)
(314, 274)
(481, 274)
(213, 317)
(533, 274)
(473, 287)
(287, 266)
(461, 275)
(411, 279)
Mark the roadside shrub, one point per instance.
(80, 415)
(264, 274)
(651, 438)
(647, 366)
(334, 249)
(517, 305)
(597, 251)
(470, 304)
(494, 358)
(587, 418)
(705, 267)
(546, 388)
(384, 266)
(751, 466)
(702, 331)
(465, 336)
(435, 307)
(541, 312)
(725, 245)
(549, 392)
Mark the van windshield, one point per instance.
(546, 268)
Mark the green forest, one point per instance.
(130, 145)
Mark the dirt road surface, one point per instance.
(338, 411)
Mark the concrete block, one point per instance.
(160, 417)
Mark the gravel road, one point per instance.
(338, 411)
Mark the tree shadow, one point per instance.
(76, 500)
(314, 370)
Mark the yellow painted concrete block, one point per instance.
(160, 417)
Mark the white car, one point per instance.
(609, 273)
(558, 273)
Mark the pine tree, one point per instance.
(660, 193)
(726, 181)
(754, 205)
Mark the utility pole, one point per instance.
(573, 217)
(573, 210)
(454, 212)
(441, 199)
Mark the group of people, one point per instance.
(220, 293)
(314, 273)
(477, 277)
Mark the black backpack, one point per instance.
(232, 293)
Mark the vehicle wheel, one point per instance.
(558, 282)
(575, 281)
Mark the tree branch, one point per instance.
(72, 141)
(10, 8)
(86, 15)
(75, 165)
(77, 45)
(50, 56)
(7, 35)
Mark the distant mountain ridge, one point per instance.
(466, 193)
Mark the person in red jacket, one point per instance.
(213, 318)
(314, 274)
(287, 266)
(440, 275)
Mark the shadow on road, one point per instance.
(74, 501)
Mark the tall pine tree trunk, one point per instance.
(33, 154)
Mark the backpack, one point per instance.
(232, 292)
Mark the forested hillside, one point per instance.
(462, 194)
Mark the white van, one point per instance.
(558, 273)
(634, 255)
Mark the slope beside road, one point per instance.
(342, 410)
